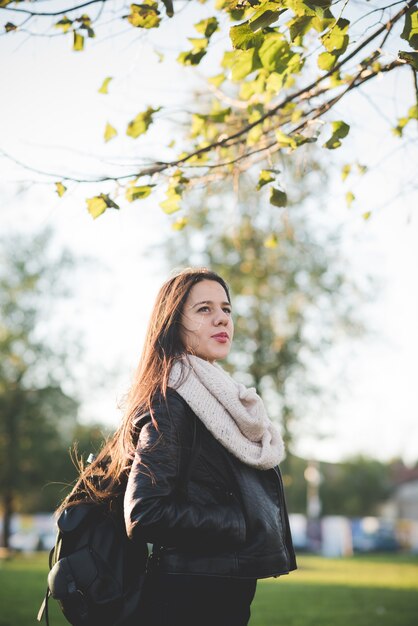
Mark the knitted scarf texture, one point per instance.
(233, 413)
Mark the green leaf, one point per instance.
(327, 60)
(299, 26)
(97, 205)
(141, 123)
(176, 187)
(255, 133)
(207, 27)
(245, 62)
(144, 15)
(349, 198)
(194, 56)
(191, 58)
(198, 44)
(64, 23)
(85, 22)
(339, 131)
(266, 15)
(266, 176)
(285, 140)
(278, 197)
(275, 53)
(409, 57)
(105, 84)
(78, 44)
(410, 31)
(301, 8)
(336, 39)
(324, 4)
(243, 38)
(217, 80)
(109, 132)
(60, 189)
(134, 192)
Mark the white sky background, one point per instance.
(53, 119)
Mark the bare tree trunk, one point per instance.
(7, 518)
(11, 465)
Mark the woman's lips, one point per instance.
(221, 338)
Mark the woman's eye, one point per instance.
(228, 311)
(203, 309)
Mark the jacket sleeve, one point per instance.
(155, 509)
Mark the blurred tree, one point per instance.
(38, 409)
(44, 491)
(291, 292)
(355, 487)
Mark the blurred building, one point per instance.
(403, 503)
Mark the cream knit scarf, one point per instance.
(233, 413)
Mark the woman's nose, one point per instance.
(221, 318)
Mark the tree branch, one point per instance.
(52, 13)
(224, 142)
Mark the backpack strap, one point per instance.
(43, 609)
(54, 555)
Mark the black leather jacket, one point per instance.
(230, 519)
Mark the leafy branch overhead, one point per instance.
(284, 66)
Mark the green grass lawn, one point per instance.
(361, 591)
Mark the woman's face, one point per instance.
(207, 327)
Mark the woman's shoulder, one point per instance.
(170, 403)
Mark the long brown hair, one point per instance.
(105, 477)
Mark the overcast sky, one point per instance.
(53, 120)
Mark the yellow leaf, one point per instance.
(110, 132)
(345, 171)
(145, 15)
(180, 223)
(349, 198)
(271, 241)
(140, 124)
(96, 206)
(105, 85)
(60, 189)
(65, 24)
(138, 193)
(266, 176)
(172, 204)
(367, 215)
(78, 42)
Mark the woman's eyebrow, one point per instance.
(209, 302)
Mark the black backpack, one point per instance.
(96, 572)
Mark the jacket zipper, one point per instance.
(282, 518)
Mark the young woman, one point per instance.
(204, 486)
